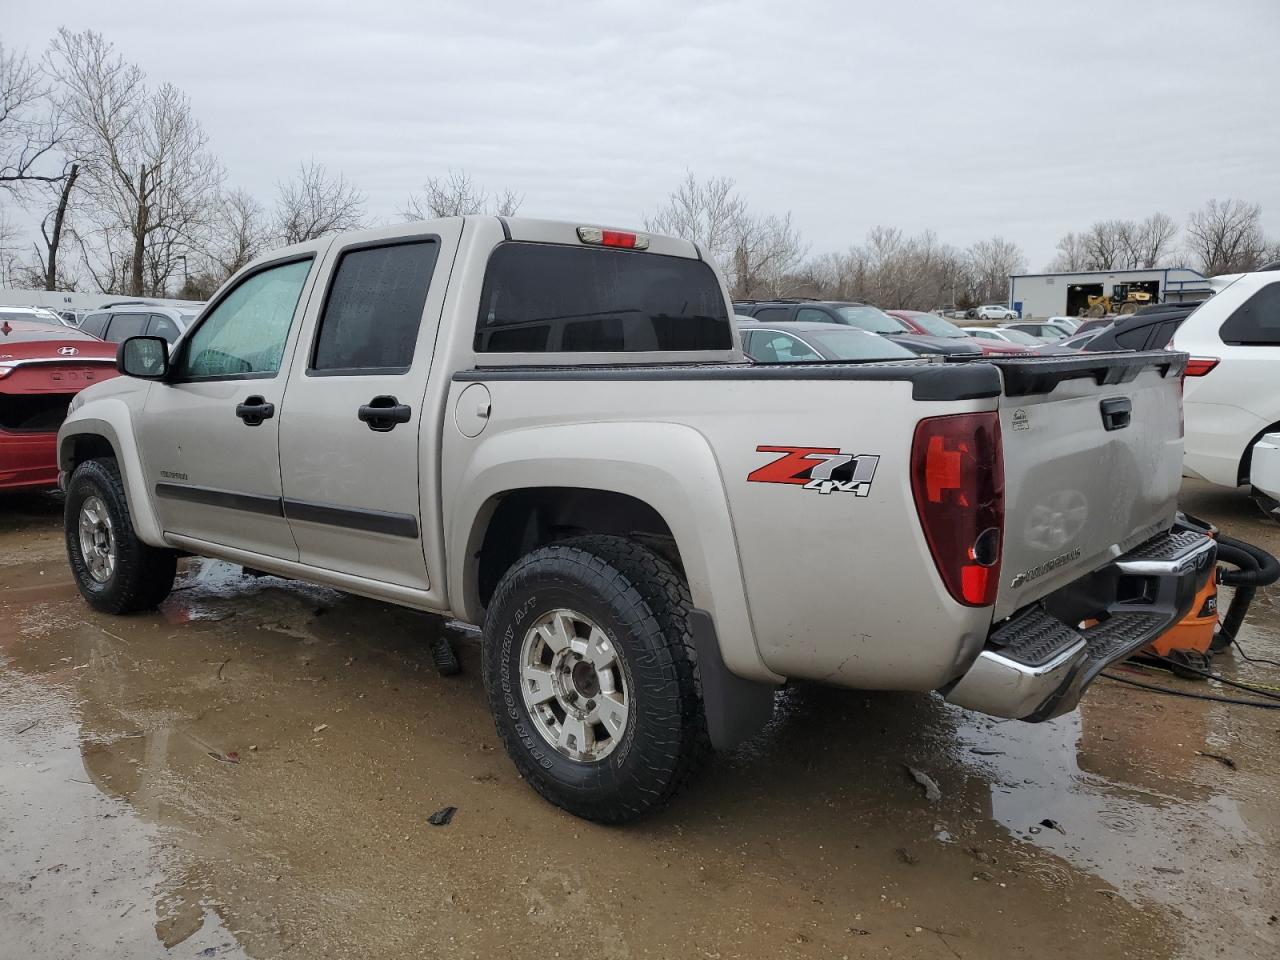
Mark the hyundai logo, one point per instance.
(68, 351)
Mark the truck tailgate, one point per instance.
(1092, 460)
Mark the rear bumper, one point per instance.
(1037, 664)
(28, 460)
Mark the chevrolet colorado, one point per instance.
(550, 430)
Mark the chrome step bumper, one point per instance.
(1035, 666)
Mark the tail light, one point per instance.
(957, 479)
(1199, 366)
(613, 238)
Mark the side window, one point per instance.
(1256, 322)
(370, 320)
(1164, 333)
(1134, 338)
(95, 324)
(812, 315)
(245, 334)
(772, 314)
(126, 325)
(162, 327)
(775, 347)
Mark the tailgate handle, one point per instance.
(1115, 412)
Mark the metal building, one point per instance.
(1040, 295)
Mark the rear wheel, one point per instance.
(590, 671)
(115, 571)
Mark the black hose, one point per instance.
(1169, 691)
(1257, 567)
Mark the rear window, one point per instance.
(872, 320)
(856, 345)
(1256, 322)
(937, 327)
(544, 298)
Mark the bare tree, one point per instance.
(458, 196)
(32, 124)
(316, 203)
(10, 265)
(147, 171)
(52, 231)
(1156, 236)
(1072, 255)
(990, 263)
(759, 253)
(1226, 237)
(237, 234)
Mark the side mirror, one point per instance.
(144, 357)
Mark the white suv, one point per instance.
(1232, 391)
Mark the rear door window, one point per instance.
(1134, 338)
(1256, 322)
(374, 308)
(540, 298)
(126, 325)
(162, 327)
(813, 315)
(773, 314)
(95, 324)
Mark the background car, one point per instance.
(1231, 394)
(43, 365)
(39, 314)
(995, 311)
(936, 326)
(126, 320)
(1070, 324)
(1042, 330)
(1138, 331)
(807, 342)
(1003, 335)
(850, 314)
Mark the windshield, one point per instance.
(935, 326)
(871, 320)
(855, 345)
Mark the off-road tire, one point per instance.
(143, 575)
(642, 604)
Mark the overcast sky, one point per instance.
(974, 118)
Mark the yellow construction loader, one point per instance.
(1122, 301)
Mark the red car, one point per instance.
(936, 326)
(43, 364)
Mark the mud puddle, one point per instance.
(250, 771)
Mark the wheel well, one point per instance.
(1246, 461)
(523, 520)
(87, 446)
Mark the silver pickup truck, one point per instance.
(550, 430)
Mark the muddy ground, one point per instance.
(249, 773)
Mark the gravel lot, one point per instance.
(249, 771)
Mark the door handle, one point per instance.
(383, 413)
(1116, 412)
(254, 410)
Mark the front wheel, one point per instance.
(115, 571)
(590, 671)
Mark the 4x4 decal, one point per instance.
(824, 469)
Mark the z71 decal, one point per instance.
(824, 469)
